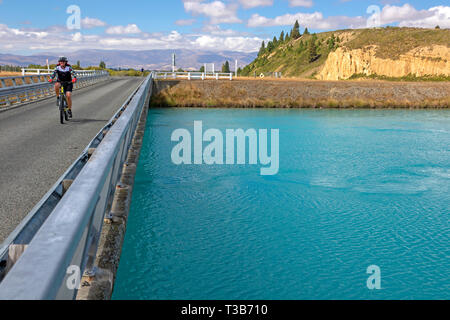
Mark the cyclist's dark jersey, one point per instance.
(64, 74)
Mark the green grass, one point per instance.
(290, 59)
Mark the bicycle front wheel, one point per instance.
(61, 109)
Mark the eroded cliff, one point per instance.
(421, 61)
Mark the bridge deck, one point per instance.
(35, 150)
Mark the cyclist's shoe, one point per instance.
(70, 113)
(57, 101)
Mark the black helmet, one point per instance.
(62, 59)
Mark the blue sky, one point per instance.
(240, 25)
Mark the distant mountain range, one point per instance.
(149, 59)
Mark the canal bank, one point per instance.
(286, 93)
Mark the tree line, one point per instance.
(225, 68)
(294, 34)
(311, 45)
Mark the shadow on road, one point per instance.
(87, 120)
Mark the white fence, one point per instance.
(29, 72)
(193, 75)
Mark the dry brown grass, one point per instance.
(303, 94)
(9, 74)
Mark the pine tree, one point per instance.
(262, 50)
(270, 46)
(302, 46)
(202, 69)
(287, 38)
(306, 31)
(226, 67)
(295, 34)
(275, 41)
(331, 42)
(312, 51)
(281, 37)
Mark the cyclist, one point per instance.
(64, 73)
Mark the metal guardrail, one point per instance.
(193, 75)
(63, 230)
(31, 88)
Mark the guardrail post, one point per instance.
(217, 76)
(231, 76)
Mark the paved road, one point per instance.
(35, 150)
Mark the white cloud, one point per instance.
(77, 37)
(129, 29)
(301, 3)
(408, 16)
(243, 44)
(216, 11)
(89, 23)
(314, 20)
(405, 16)
(218, 31)
(247, 4)
(187, 22)
(59, 40)
(173, 36)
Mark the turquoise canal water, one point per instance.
(354, 189)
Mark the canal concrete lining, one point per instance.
(35, 150)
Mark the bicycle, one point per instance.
(63, 106)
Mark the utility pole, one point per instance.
(174, 62)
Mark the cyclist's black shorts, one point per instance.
(68, 87)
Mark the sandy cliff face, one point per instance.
(343, 63)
